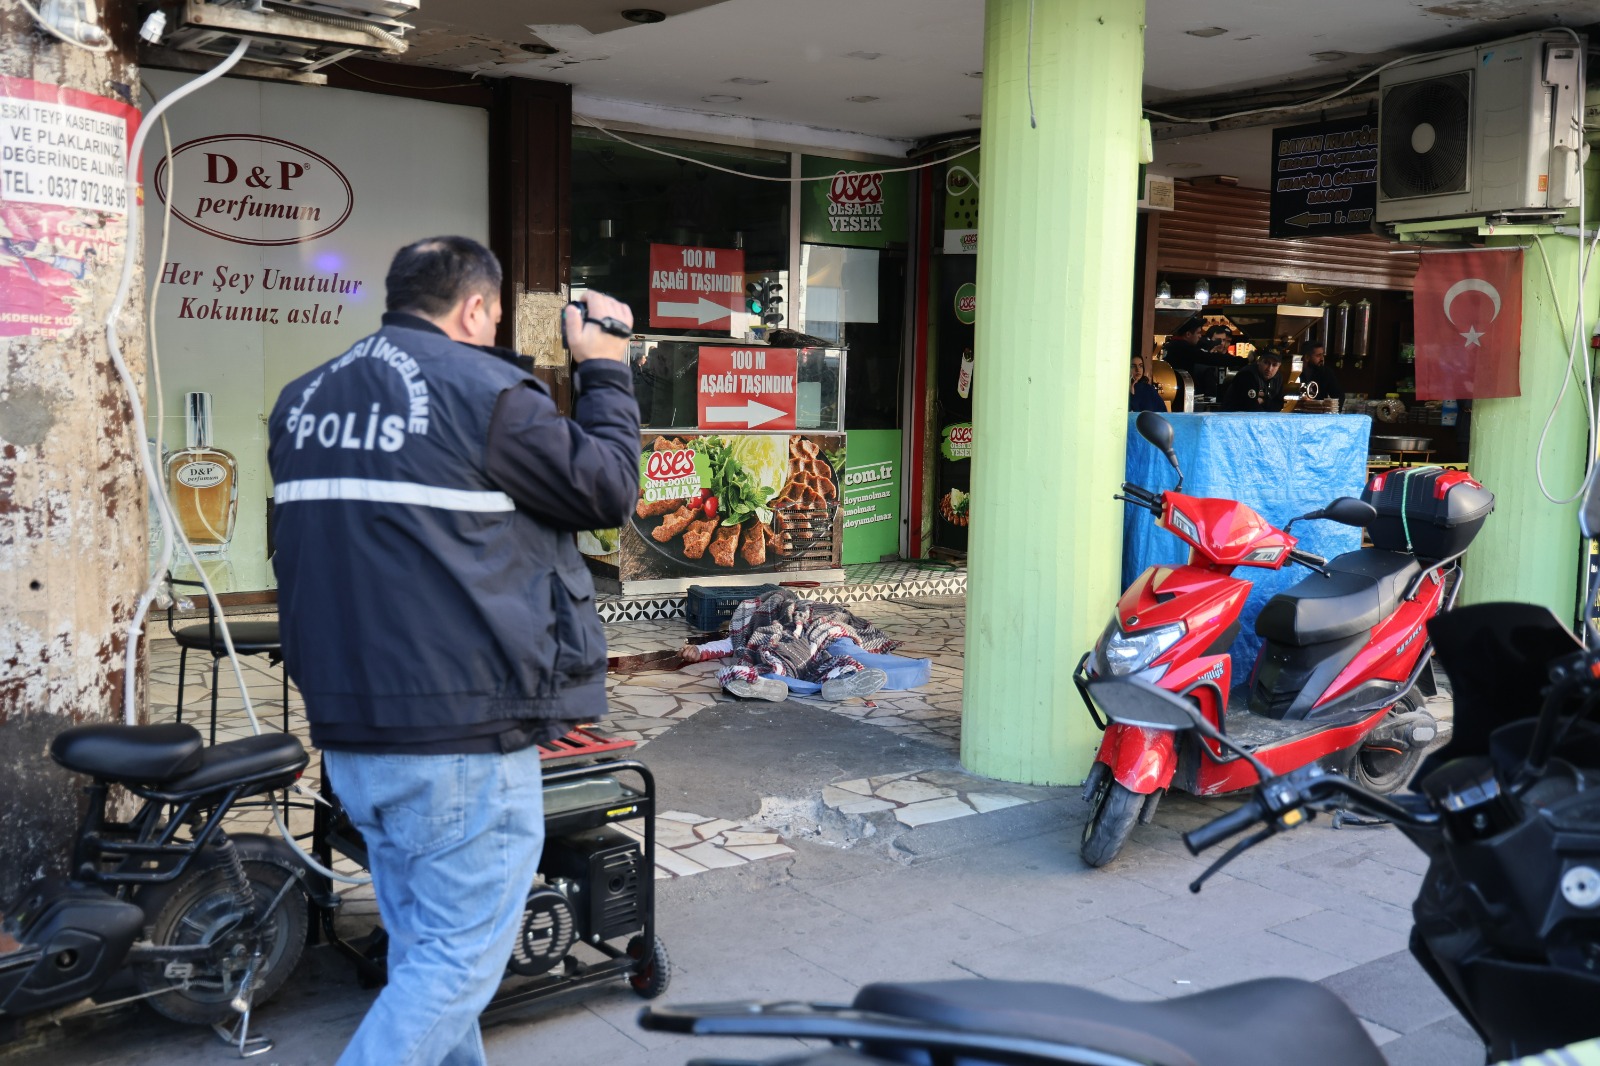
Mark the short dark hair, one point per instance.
(433, 275)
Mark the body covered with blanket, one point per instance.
(783, 635)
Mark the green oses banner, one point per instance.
(859, 206)
(870, 495)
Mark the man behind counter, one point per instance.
(1256, 387)
(1316, 372)
(1185, 353)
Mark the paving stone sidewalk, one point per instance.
(837, 844)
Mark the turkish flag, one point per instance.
(1469, 324)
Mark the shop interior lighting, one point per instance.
(1164, 290)
(1202, 291)
(1238, 292)
(644, 15)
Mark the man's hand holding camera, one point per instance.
(595, 326)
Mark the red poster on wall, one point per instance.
(1469, 324)
(748, 388)
(63, 200)
(695, 288)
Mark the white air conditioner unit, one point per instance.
(1491, 130)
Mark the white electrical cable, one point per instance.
(1287, 107)
(762, 177)
(167, 520)
(163, 506)
(98, 49)
(1582, 263)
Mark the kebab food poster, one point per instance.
(729, 504)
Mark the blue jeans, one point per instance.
(453, 843)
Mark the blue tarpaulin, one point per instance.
(1278, 465)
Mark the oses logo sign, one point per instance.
(251, 189)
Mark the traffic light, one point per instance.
(765, 298)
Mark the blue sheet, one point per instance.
(904, 672)
(1280, 465)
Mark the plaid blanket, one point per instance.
(782, 634)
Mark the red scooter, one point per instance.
(1344, 651)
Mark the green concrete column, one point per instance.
(1528, 550)
(1055, 281)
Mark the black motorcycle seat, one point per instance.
(1267, 1022)
(238, 760)
(1363, 587)
(142, 753)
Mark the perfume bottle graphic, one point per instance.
(202, 481)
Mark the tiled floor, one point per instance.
(925, 796)
(644, 706)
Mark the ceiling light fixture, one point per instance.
(862, 55)
(721, 98)
(861, 99)
(1209, 31)
(644, 15)
(747, 81)
(538, 48)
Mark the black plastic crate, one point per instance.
(709, 607)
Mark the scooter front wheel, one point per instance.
(1113, 809)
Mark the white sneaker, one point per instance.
(860, 683)
(762, 688)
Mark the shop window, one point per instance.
(627, 198)
(854, 298)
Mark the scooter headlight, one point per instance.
(1122, 653)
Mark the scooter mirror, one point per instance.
(1158, 431)
(1155, 429)
(1138, 704)
(1349, 511)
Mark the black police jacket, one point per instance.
(426, 494)
(1249, 391)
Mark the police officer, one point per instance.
(1256, 387)
(437, 616)
(1317, 379)
(1183, 352)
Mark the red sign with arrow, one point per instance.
(748, 388)
(695, 288)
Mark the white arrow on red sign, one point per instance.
(703, 312)
(751, 414)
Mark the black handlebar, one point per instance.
(1231, 824)
(1141, 496)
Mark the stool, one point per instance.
(249, 638)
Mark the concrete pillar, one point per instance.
(72, 505)
(1055, 281)
(1528, 550)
